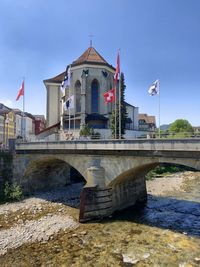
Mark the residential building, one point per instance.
(7, 125)
(40, 123)
(132, 117)
(146, 122)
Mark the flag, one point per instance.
(66, 81)
(69, 103)
(154, 88)
(109, 96)
(21, 91)
(117, 71)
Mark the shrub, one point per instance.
(12, 192)
(85, 130)
(162, 171)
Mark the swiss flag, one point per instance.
(21, 91)
(117, 71)
(109, 96)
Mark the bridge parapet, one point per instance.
(128, 145)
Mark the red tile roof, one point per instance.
(57, 79)
(89, 56)
(147, 118)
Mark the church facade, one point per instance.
(90, 77)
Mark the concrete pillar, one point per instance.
(96, 198)
(95, 176)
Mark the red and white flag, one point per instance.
(109, 96)
(117, 71)
(21, 91)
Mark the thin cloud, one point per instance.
(7, 102)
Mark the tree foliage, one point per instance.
(85, 130)
(181, 126)
(123, 110)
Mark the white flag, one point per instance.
(154, 88)
(67, 78)
(69, 103)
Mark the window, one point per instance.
(95, 96)
(78, 96)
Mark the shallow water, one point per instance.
(166, 232)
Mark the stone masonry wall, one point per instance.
(128, 193)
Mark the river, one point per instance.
(166, 232)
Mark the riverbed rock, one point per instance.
(130, 258)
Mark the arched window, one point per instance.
(95, 96)
(78, 96)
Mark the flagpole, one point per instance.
(69, 84)
(120, 131)
(69, 111)
(159, 107)
(74, 110)
(23, 118)
(115, 111)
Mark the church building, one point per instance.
(90, 77)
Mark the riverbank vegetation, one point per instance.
(11, 192)
(164, 170)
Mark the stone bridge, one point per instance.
(114, 170)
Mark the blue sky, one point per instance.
(159, 39)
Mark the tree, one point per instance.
(85, 130)
(181, 128)
(123, 110)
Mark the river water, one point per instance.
(166, 232)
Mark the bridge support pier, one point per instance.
(129, 193)
(96, 199)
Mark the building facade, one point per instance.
(147, 123)
(7, 125)
(90, 77)
(40, 123)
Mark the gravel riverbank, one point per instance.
(39, 218)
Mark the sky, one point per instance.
(158, 39)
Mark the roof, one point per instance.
(4, 109)
(90, 56)
(57, 79)
(147, 118)
(127, 104)
(51, 129)
(41, 117)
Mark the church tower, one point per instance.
(91, 77)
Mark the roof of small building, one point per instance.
(147, 118)
(41, 117)
(90, 56)
(127, 104)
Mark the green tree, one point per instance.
(85, 130)
(181, 128)
(123, 110)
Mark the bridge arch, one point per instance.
(129, 185)
(47, 172)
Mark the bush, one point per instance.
(12, 192)
(162, 171)
(85, 130)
